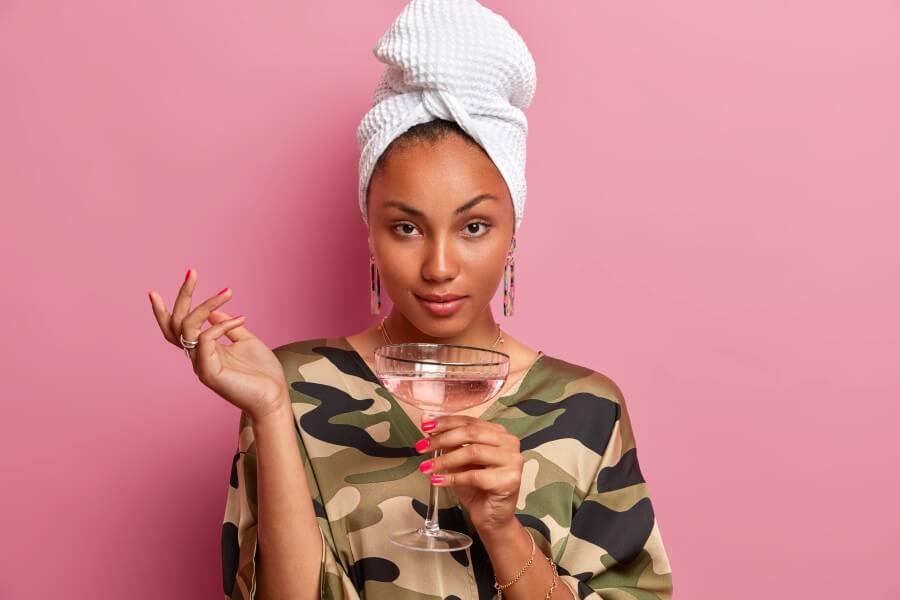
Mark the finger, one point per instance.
(163, 317)
(192, 324)
(474, 432)
(183, 303)
(446, 422)
(473, 454)
(498, 480)
(235, 335)
(206, 347)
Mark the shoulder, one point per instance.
(586, 406)
(325, 361)
(588, 403)
(300, 346)
(293, 355)
(600, 402)
(576, 378)
(313, 349)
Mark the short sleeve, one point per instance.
(614, 548)
(239, 528)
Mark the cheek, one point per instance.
(484, 273)
(399, 273)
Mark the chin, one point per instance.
(439, 327)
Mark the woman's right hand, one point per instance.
(246, 373)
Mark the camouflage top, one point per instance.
(582, 495)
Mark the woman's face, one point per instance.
(440, 222)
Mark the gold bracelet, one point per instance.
(555, 579)
(500, 587)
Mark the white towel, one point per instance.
(455, 60)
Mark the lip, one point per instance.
(439, 297)
(441, 309)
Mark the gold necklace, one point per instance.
(387, 338)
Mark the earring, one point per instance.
(509, 282)
(374, 287)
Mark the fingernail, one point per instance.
(437, 478)
(429, 425)
(223, 291)
(426, 466)
(150, 295)
(188, 274)
(422, 445)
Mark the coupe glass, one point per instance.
(439, 379)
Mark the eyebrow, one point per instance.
(418, 213)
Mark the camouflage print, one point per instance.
(582, 494)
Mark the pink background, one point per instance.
(712, 222)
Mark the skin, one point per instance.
(440, 251)
(423, 246)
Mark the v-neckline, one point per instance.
(494, 405)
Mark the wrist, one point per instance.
(503, 536)
(274, 415)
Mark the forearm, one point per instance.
(288, 534)
(509, 551)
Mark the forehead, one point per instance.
(450, 166)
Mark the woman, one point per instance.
(548, 467)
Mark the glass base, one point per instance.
(440, 540)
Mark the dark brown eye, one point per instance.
(484, 227)
(404, 225)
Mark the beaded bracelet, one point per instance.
(500, 587)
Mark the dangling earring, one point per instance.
(509, 282)
(374, 287)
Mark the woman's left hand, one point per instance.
(485, 474)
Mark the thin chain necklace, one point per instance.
(387, 338)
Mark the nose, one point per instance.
(439, 263)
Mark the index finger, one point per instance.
(446, 422)
(235, 334)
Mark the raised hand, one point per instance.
(246, 372)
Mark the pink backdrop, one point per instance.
(712, 222)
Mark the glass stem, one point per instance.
(431, 518)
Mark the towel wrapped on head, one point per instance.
(459, 61)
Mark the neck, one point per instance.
(482, 332)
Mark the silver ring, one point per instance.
(188, 344)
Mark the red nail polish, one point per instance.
(422, 445)
(429, 425)
(188, 274)
(223, 291)
(437, 478)
(425, 466)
